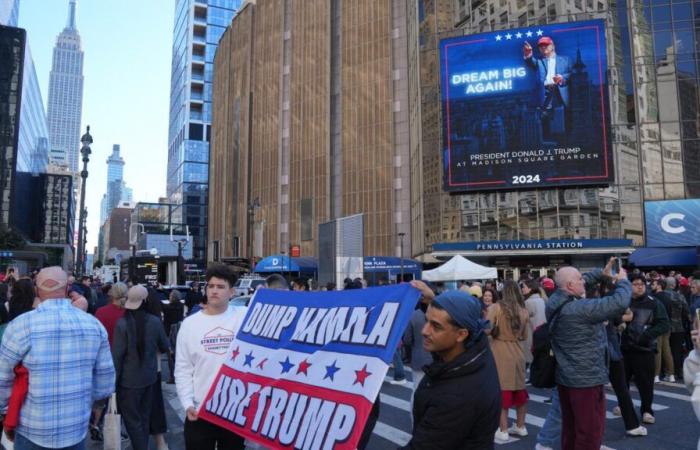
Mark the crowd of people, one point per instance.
(67, 346)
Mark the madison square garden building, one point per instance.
(426, 117)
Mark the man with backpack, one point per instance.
(579, 342)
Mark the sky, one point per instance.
(127, 47)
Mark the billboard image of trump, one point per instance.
(526, 108)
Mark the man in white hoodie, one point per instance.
(691, 373)
(202, 346)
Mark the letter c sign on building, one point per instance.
(673, 223)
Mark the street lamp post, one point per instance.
(85, 151)
(180, 245)
(252, 207)
(401, 235)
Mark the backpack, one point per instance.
(543, 366)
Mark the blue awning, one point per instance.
(390, 264)
(282, 263)
(664, 256)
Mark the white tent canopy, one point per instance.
(460, 268)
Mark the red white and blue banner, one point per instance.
(305, 367)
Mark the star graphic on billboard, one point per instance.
(303, 367)
(508, 36)
(331, 370)
(540, 32)
(261, 365)
(286, 365)
(529, 33)
(498, 37)
(518, 35)
(235, 353)
(361, 375)
(249, 359)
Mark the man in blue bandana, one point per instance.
(458, 402)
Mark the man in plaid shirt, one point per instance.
(70, 366)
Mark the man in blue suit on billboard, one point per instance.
(552, 85)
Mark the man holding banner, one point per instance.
(458, 403)
(202, 346)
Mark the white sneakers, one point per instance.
(399, 382)
(671, 379)
(514, 429)
(542, 447)
(657, 380)
(501, 437)
(648, 418)
(639, 431)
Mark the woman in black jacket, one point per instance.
(138, 337)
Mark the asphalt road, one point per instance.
(676, 427)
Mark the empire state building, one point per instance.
(66, 94)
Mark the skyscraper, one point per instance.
(198, 26)
(116, 188)
(66, 91)
(9, 12)
(12, 44)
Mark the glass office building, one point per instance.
(9, 12)
(198, 27)
(653, 86)
(34, 144)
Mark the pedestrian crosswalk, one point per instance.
(394, 428)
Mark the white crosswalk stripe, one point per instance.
(392, 434)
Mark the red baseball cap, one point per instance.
(547, 283)
(544, 40)
(683, 282)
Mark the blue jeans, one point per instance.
(399, 372)
(550, 434)
(22, 443)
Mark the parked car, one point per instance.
(247, 285)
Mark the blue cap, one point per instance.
(464, 310)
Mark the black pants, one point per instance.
(641, 366)
(135, 408)
(203, 435)
(622, 392)
(676, 341)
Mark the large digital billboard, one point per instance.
(526, 108)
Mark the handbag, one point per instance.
(544, 363)
(112, 431)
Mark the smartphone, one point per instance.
(617, 264)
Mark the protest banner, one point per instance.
(305, 367)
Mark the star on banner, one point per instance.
(303, 367)
(508, 36)
(518, 35)
(331, 370)
(498, 37)
(261, 365)
(540, 32)
(529, 33)
(361, 375)
(249, 359)
(286, 365)
(235, 353)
